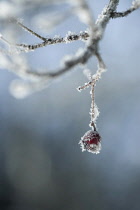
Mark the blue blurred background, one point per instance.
(41, 164)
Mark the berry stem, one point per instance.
(92, 111)
(93, 126)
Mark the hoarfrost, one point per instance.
(136, 3)
(79, 89)
(91, 142)
(96, 113)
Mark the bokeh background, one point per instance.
(41, 164)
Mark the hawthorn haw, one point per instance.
(91, 141)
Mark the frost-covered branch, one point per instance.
(95, 31)
(92, 46)
(135, 5)
(95, 77)
(70, 37)
(91, 38)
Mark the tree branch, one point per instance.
(70, 37)
(91, 49)
(135, 6)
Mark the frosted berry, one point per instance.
(91, 141)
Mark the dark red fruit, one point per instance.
(91, 142)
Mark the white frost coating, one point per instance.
(57, 37)
(79, 89)
(136, 3)
(70, 33)
(19, 89)
(91, 142)
(96, 148)
(96, 113)
(102, 15)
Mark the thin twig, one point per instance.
(82, 36)
(29, 30)
(134, 7)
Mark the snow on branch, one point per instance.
(70, 37)
(135, 5)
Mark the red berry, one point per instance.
(91, 142)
